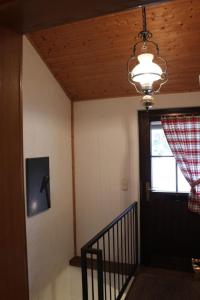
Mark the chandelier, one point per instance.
(147, 70)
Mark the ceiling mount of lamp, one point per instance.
(147, 70)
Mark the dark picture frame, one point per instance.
(37, 185)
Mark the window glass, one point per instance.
(183, 185)
(165, 174)
(159, 144)
(163, 171)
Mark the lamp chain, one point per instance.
(144, 18)
(145, 35)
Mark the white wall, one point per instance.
(46, 118)
(106, 154)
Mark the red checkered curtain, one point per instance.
(183, 136)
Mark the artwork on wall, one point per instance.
(37, 185)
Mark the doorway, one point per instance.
(169, 231)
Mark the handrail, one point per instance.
(108, 227)
(115, 249)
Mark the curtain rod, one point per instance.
(180, 115)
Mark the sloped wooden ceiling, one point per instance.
(89, 57)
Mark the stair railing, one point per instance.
(112, 258)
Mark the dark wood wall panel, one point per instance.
(13, 258)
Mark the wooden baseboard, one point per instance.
(112, 267)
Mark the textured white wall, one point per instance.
(106, 154)
(46, 118)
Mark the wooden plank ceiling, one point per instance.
(89, 57)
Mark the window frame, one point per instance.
(159, 126)
(153, 116)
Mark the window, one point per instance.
(165, 174)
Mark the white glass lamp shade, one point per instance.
(146, 72)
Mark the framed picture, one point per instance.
(37, 185)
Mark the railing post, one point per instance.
(84, 274)
(100, 274)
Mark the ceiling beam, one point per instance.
(26, 16)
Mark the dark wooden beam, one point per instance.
(13, 256)
(30, 15)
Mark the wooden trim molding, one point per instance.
(13, 252)
(112, 267)
(73, 178)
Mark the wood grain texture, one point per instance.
(89, 57)
(13, 257)
(30, 15)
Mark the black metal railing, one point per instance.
(109, 260)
